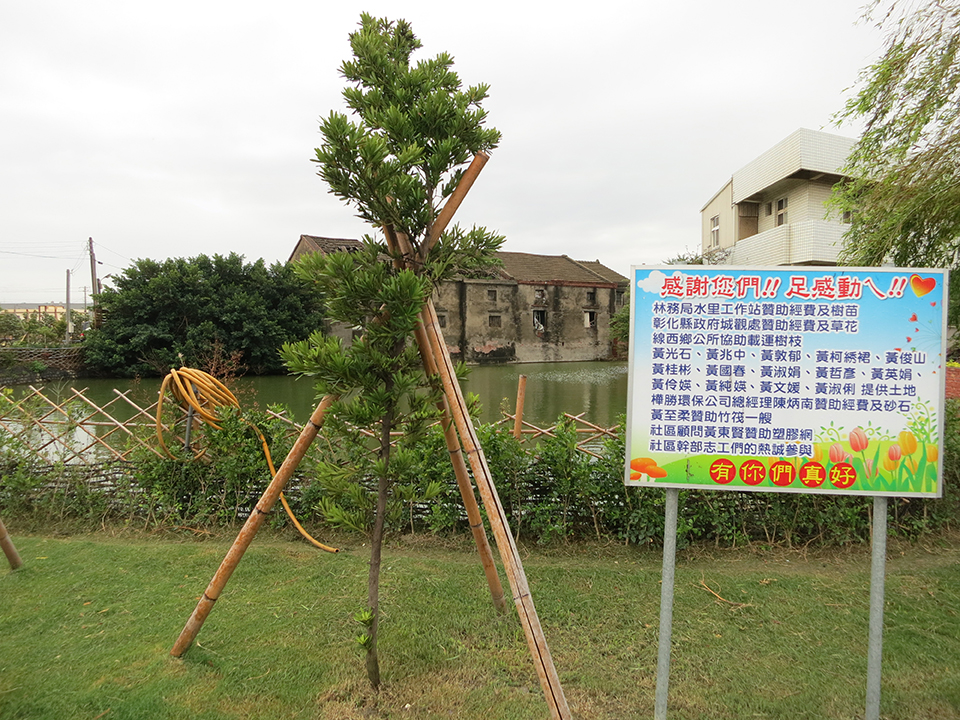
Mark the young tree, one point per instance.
(904, 198)
(414, 129)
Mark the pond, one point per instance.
(597, 389)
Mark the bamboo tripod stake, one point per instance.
(529, 620)
(13, 557)
(250, 528)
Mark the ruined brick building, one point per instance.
(535, 308)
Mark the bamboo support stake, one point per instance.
(13, 557)
(536, 642)
(451, 206)
(521, 396)
(463, 482)
(474, 517)
(540, 652)
(250, 528)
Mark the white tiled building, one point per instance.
(772, 211)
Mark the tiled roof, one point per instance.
(526, 267)
(604, 271)
(313, 243)
(522, 267)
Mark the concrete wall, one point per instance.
(492, 321)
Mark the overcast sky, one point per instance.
(186, 128)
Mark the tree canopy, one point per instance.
(186, 311)
(904, 196)
(414, 129)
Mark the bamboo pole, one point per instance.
(474, 517)
(540, 652)
(451, 206)
(13, 557)
(521, 396)
(455, 451)
(250, 528)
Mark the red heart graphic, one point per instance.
(913, 318)
(933, 304)
(909, 339)
(921, 286)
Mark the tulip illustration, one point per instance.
(859, 442)
(836, 453)
(893, 452)
(890, 464)
(908, 443)
(933, 452)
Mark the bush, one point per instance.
(550, 491)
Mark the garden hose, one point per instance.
(203, 394)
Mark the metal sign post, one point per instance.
(798, 380)
(877, 575)
(666, 602)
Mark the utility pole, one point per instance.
(67, 314)
(95, 286)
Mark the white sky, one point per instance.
(180, 128)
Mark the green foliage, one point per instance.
(37, 330)
(415, 127)
(337, 488)
(378, 380)
(904, 196)
(172, 313)
(620, 322)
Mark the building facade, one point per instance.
(535, 308)
(772, 211)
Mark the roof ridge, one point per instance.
(589, 270)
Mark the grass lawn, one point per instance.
(88, 622)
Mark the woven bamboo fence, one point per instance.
(57, 358)
(72, 429)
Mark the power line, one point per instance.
(51, 257)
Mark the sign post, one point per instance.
(810, 380)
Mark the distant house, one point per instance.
(536, 308)
(771, 211)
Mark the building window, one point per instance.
(781, 212)
(493, 321)
(540, 296)
(591, 297)
(620, 295)
(847, 217)
(442, 321)
(539, 321)
(492, 295)
(590, 319)
(715, 231)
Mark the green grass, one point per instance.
(88, 622)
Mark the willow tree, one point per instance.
(904, 198)
(399, 155)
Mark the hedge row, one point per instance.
(551, 493)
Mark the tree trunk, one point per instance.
(376, 549)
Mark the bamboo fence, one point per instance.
(75, 430)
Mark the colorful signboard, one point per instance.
(817, 380)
